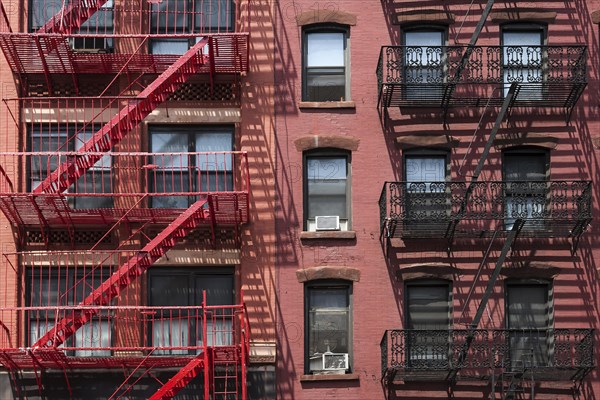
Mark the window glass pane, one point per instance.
(428, 307)
(328, 322)
(528, 306)
(525, 167)
(170, 143)
(42, 11)
(326, 84)
(325, 49)
(528, 318)
(169, 46)
(93, 334)
(219, 289)
(425, 169)
(169, 290)
(423, 38)
(169, 16)
(327, 186)
(214, 15)
(215, 142)
(101, 21)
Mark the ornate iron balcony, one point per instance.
(446, 209)
(436, 76)
(540, 354)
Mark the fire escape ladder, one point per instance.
(71, 16)
(127, 119)
(127, 273)
(510, 239)
(465, 57)
(508, 100)
(185, 375)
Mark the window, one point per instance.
(100, 23)
(525, 176)
(522, 59)
(181, 168)
(182, 327)
(529, 320)
(96, 180)
(428, 310)
(428, 198)
(188, 16)
(68, 288)
(325, 61)
(423, 64)
(327, 190)
(328, 327)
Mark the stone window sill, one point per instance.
(326, 104)
(343, 235)
(329, 377)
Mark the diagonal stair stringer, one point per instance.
(183, 377)
(127, 119)
(71, 16)
(127, 273)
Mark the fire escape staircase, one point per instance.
(185, 376)
(71, 16)
(125, 274)
(126, 120)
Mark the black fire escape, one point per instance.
(446, 77)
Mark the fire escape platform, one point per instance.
(441, 76)
(423, 210)
(56, 359)
(50, 54)
(54, 210)
(433, 355)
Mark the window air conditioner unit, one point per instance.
(335, 361)
(327, 223)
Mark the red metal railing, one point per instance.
(136, 186)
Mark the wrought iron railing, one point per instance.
(436, 75)
(440, 209)
(547, 354)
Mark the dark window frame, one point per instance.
(529, 151)
(191, 273)
(428, 355)
(324, 285)
(524, 27)
(327, 153)
(70, 139)
(96, 24)
(547, 348)
(192, 131)
(427, 87)
(325, 28)
(73, 276)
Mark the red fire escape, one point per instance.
(82, 88)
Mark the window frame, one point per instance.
(327, 153)
(325, 28)
(529, 151)
(192, 131)
(324, 285)
(427, 86)
(547, 285)
(189, 23)
(72, 277)
(524, 27)
(433, 359)
(192, 274)
(96, 24)
(68, 138)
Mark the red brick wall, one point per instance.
(378, 296)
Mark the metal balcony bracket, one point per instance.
(450, 234)
(577, 232)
